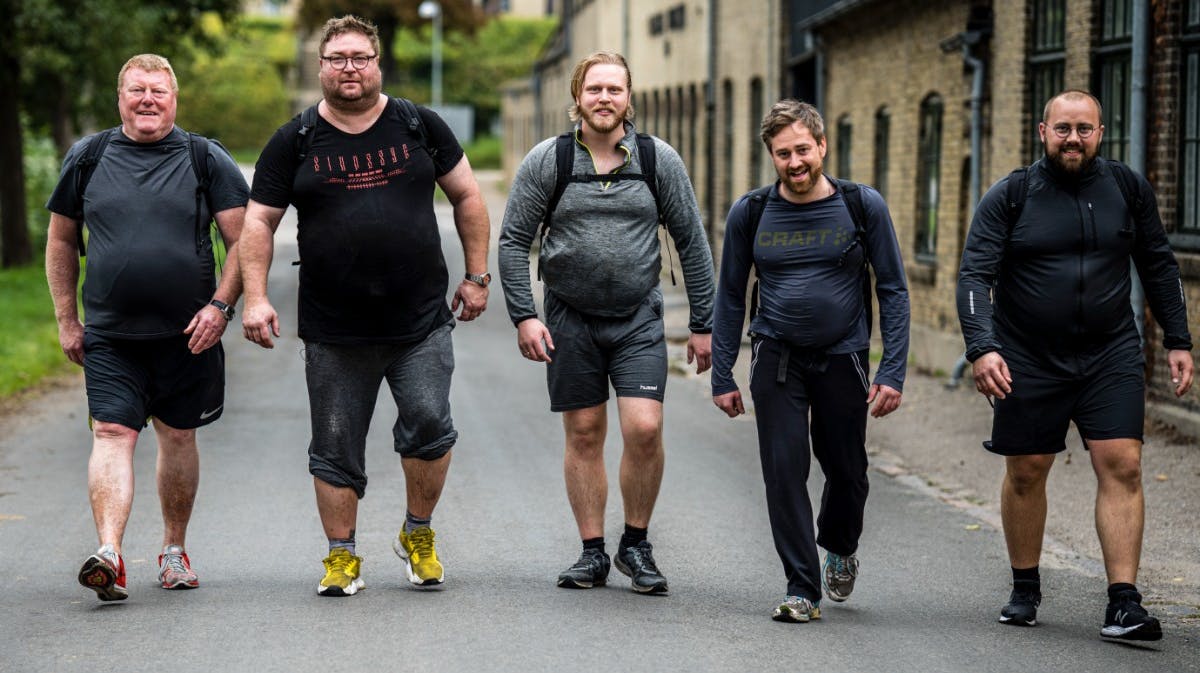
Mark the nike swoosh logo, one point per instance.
(205, 415)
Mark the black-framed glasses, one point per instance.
(357, 62)
(1064, 130)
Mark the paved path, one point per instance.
(932, 577)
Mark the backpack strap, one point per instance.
(304, 137)
(412, 118)
(648, 156)
(1015, 192)
(853, 197)
(198, 153)
(83, 173)
(1128, 183)
(756, 203)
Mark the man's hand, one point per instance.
(206, 329)
(260, 323)
(700, 349)
(1180, 365)
(886, 399)
(730, 403)
(70, 337)
(533, 339)
(991, 375)
(473, 298)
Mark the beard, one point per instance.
(806, 184)
(1071, 165)
(603, 124)
(364, 100)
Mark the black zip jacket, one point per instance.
(1051, 290)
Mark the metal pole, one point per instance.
(1137, 141)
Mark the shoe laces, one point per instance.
(641, 558)
(339, 562)
(422, 541)
(589, 560)
(174, 563)
(844, 567)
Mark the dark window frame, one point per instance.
(844, 146)
(883, 132)
(929, 160)
(1046, 65)
(1111, 69)
(757, 149)
(1187, 207)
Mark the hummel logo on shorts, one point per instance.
(648, 387)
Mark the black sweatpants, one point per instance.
(786, 384)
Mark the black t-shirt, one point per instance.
(371, 267)
(148, 268)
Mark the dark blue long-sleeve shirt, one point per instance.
(809, 265)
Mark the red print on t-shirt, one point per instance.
(380, 166)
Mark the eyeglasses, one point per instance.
(357, 62)
(1064, 130)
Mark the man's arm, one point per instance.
(682, 216)
(208, 325)
(523, 215)
(982, 254)
(62, 275)
(1159, 272)
(475, 232)
(729, 317)
(256, 247)
(891, 289)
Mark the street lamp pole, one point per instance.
(430, 9)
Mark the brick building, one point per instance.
(895, 81)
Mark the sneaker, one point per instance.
(1022, 605)
(342, 571)
(591, 570)
(637, 562)
(175, 570)
(420, 558)
(797, 610)
(839, 576)
(104, 573)
(1126, 619)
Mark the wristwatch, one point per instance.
(225, 309)
(482, 281)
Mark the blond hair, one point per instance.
(581, 70)
(149, 63)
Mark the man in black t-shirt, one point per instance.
(154, 313)
(372, 288)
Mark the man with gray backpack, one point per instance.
(812, 240)
(154, 312)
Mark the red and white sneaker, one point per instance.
(175, 570)
(104, 573)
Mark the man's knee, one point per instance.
(103, 431)
(1118, 462)
(1027, 474)
(585, 431)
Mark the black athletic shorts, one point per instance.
(589, 351)
(1109, 402)
(130, 380)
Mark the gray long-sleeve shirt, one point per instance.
(601, 254)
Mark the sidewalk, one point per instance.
(933, 445)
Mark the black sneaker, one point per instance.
(1126, 619)
(591, 570)
(1022, 605)
(637, 562)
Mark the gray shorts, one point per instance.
(589, 351)
(343, 385)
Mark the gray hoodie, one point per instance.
(601, 255)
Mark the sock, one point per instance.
(413, 522)
(1118, 588)
(632, 536)
(342, 543)
(1026, 574)
(594, 543)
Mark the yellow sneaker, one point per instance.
(420, 558)
(341, 574)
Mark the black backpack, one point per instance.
(404, 108)
(852, 195)
(1017, 190)
(564, 161)
(197, 153)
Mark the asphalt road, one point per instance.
(927, 597)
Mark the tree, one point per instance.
(58, 64)
(389, 16)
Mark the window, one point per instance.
(883, 129)
(844, 131)
(1047, 54)
(1112, 75)
(756, 146)
(727, 106)
(929, 159)
(1189, 126)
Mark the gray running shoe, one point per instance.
(840, 573)
(637, 562)
(797, 610)
(591, 570)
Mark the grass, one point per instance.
(484, 152)
(248, 157)
(29, 350)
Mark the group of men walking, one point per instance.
(1043, 296)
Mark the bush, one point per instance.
(485, 152)
(239, 101)
(41, 174)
